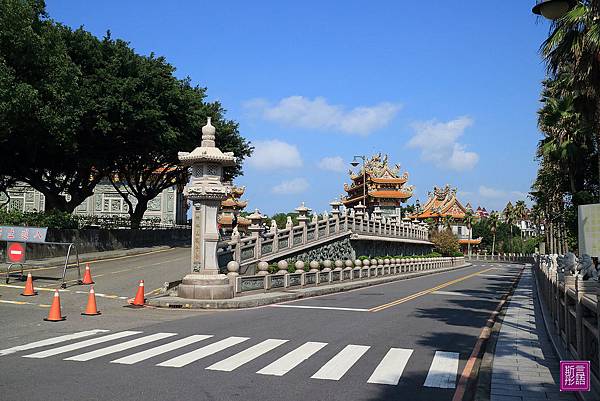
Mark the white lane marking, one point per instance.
(337, 366)
(51, 341)
(237, 360)
(98, 294)
(319, 307)
(119, 347)
(81, 344)
(451, 293)
(200, 353)
(161, 349)
(391, 367)
(292, 359)
(443, 370)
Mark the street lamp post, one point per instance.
(553, 9)
(354, 163)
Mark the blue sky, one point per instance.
(449, 89)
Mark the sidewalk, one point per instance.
(525, 366)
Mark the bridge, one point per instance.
(339, 235)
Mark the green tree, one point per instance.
(469, 220)
(445, 242)
(43, 106)
(493, 221)
(573, 46)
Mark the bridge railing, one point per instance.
(502, 257)
(312, 231)
(343, 271)
(573, 312)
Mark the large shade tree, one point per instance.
(76, 109)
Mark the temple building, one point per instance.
(231, 209)
(444, 208)
(377, 185)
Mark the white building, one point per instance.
(169, 206)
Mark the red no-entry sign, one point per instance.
(16, 252)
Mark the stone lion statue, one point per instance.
(587, 269)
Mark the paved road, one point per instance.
(406, 340)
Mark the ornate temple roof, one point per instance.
(442, 202)
(382, 181)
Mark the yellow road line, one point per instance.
(4, 301)
(99, 260)
(36, 288)
(424, 292)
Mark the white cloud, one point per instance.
(334, 163)
(438, 143)
(293, 186)
(318, 114)
(274, 154)
(488, 192)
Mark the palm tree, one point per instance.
(447, 222)
(493, 221)
(574, 47)
(520, 211)
(469, 220)
(509, 218)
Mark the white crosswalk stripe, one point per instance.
(51, 341)
(391, 367)
(292, 359)
(203, 352)
(161, 349)
(337, 366)
(120, 347)
(237, 360)
(82, 344)
(443, 370)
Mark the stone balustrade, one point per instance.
(572, 311)
(331, 272)
(311, 231)
(503, 257)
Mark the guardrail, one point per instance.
(574, 311)
(342, 271)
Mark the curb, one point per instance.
(262, 299)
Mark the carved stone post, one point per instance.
(255, 223)
(206, 191)
(360, 215)
(303, 219)
(335, 213)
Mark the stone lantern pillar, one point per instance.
(360, 210)
(377, 214)
(303, 214)
(255, 223)
(206, 191)
(335, 208)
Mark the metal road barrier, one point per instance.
(71, 247)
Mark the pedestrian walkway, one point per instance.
(275, 357)
(525, 365)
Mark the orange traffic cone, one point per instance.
(139, 297)
(87, 277)
(54, 315)
(91, 309)
(29, 291)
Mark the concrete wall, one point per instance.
(97, 240)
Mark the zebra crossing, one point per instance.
(442, 372)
